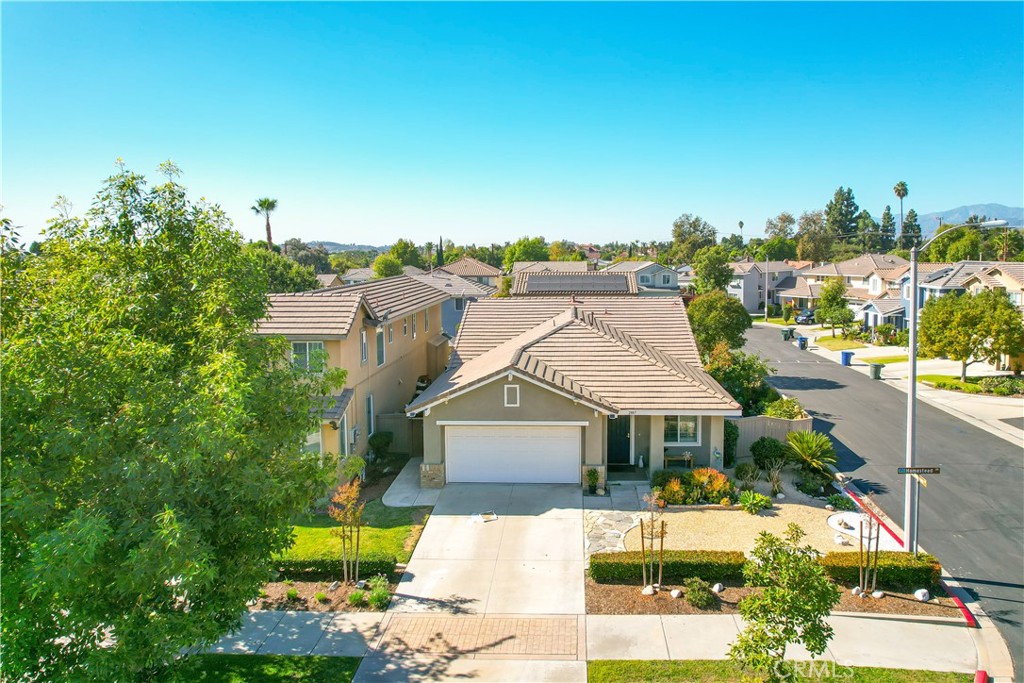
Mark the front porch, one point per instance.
(637, 445)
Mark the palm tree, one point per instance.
(264, 207)
(901, 191)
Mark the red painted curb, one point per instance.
(968, 617)
(980, 677)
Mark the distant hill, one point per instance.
(929, 221)
(333, 247)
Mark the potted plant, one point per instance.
(592, 476)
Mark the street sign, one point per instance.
(918, 470)
(920, 480)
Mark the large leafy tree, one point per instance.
(283, 274)
(776, 249)
(813, 240)
(717, 317)
(151, 445)
(841, 214)
(264, 207)
(780, 226)
(868, 232)
(743, 375)
(971, 327)
(312, 256)
(386, 265)
(407, 253)
(689, 234)
(791, 608)
(526, 249)
(833, 308)
(711, 269)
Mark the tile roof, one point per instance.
(624, 266)
(586, 352)
(885, 306)
(327, 279)
(797, 287)
(470, 267)
(592, 282)
(334, 406)
(412, 270)
(861, 266)
(358, 274)
(953, 275)
(1013, 270)
(741, 267)
(455, 285)
(552, 266)
(331, 312)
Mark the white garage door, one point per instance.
(520, 455)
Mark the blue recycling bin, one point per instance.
(847, 358)
(801, 343)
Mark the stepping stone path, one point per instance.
(605, 530)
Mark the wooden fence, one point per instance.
(407, 433)
(753, 428)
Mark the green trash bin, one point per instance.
(875, 370)
(786, 334)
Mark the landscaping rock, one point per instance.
(840, 540)
(780, 496)
(676, 593)
(718, 588)
(878, 594)
(830, 507)
(922, 595)
(856, 590)
(648, 590)
(334, 586)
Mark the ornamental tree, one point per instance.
(151, 444)
(386, 265)
(526, 249)
(832, 306)
(711, 269)
(792, 606)
(717, 317)
(971, 327)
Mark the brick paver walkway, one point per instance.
(547, 637)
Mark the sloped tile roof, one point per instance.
(551, 266)
(331, 312)
(586, 353)
(797, 287)
(470, 267)
(455, 285)
(599, 282)
(624, 266)
(953, 275)
(885, 306)
(862, 266)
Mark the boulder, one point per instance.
(856, 590)
(830, 507)
(718, 588)
(840, 540)
(334, 586)
(780, 496)
(922, 594)
(648, 590)
(878, 594)
(676, 593)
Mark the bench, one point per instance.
(686, 460)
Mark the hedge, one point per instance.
(330, 568)
(710, 565)
(897, 571)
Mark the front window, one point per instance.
(308, 355)
(666, 279)
(682, 430)
(511, 395)
(645, 279)
(380, 346)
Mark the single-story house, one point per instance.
(653, 278)
(592, 283)
(474, 270)
(550, 266)
(539, 390)
(328, 280)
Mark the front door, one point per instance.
(618, 441)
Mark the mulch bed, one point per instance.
(337, 600)
(603, 598)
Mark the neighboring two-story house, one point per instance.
(385, 333)
(857, 274)
(591, 283)
(749, 278)
(652, 278)
(1004, 277)
(473, 270)
(461, 291)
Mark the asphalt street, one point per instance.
(972, 514)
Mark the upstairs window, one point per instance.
(426, 320)
(380, 346)
(364, 353)
(645, 279)
(460, 304)
(413, 325)
(308, 355)
(666, 278)
(405, 327)
(391, 333)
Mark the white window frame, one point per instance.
(645, 279)
(666, 278)
(697, 442)
(391, 333)
(460, 304)
(311, 346)
(413, 325)
(343, 426)
(405, 326)
(371, 418)
(426, 320)
(364, 351)
(314, 439)
(511, 403)
(381, 349)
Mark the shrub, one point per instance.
(897, 571)
(321, 597)
(708, 485)
(753, 502)
(292, 594)
(380, 598)
(787, 313)
(885, 333)
(841, 502)
(809, 484)
(378, 581)
(262, 594)
(732, 437)
(673, 493)
(774, 470)
(380, 444)
(662, 477)
(329, 567)
(357, 597)
(678, 565)
(747, 472)
(767, 449)
(699, 593)
(593, 476)
(902, 338)
(786, 408)
(725, 501)
(812, 450)
(1002, 386)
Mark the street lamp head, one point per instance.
(992, 224)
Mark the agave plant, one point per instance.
(811, 450)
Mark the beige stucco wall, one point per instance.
(712, 436)
(487, 403)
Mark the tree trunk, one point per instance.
(963, 371)
(270, 240)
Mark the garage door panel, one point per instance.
(528, 454)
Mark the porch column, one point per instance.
(716, 440)
(657, 442)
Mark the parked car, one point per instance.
(805, 317)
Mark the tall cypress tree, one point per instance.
(440, 251)
(888, 230)
(911, 234)
(841, 215)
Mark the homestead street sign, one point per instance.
(918, 470)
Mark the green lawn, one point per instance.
(218, 668)
(838, 343)
(386, 530)
(708, 671)
(953, 383)
(886, 360)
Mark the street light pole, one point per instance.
(912, 488)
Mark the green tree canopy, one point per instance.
(386, 265)
(689, 234)
(711, 269)
(910, 236)
(743, 375)
(887, 239)
(776, 249)
(971, 327)
(526, 249)
(283, 274)
(717, 317)
(407, 253)
(813, 240)
(833, 308)
(869, 237)
(841, 214)
(264, 207)
(780, 226)
(313, 256)
(151, 445)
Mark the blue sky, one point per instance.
(485, 122)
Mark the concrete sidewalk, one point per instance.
(555, 647)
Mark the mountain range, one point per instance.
(1013, 215)
(333, 247)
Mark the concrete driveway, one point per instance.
(528, 561)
